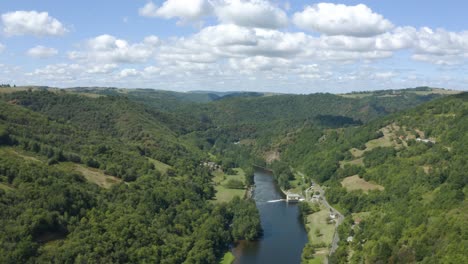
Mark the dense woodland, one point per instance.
(421, 216)
(52, 213)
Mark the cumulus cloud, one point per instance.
(41, 52)
(31, 23)
(58, 72)
(226, 35)
(384, 75)
(254, 13)
(102, 68)
(248, 13)
(109, 49)
(259, 63)
(128, 73)
(184, 10)
(249, 39)
(152, 70)
(339, 19)
(215, 43)
(441, 46)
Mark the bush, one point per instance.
(235, 184)
(92, 163)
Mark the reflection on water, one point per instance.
(284, 235)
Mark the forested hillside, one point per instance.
(57, 148)
(410, 204)
(118, 176)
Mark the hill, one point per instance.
(399, 180)
(117, 175)
(104, 179)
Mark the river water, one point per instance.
(284, 235)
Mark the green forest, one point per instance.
(106, 175)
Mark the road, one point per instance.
(339, 217)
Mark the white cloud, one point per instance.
(384, 75)
(152, 70)
(399, 38)
(41, 52)
(441, 47)
(225, 35)
(58, 72)
(253, 13)
(2, 47)
(31, 23)
(148, 10)
(214, 44)
(339, 19)
(109, 49)
(102, 68)
(259, 63)
(247, 13)
(128, 73)
(248, 43)
(184, 10)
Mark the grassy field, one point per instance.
(360, 216)
(6, 188)
(428, 92)
(92, 175)
(296, 184)
(5, 90)
(20, 153)
(160, 166)
(318, 221)
(388, 140)
(228, 258)
(224, 194)
(359, 162)
(353, 183)
(317, 260)
(97, 176)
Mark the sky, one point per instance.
(295, 46)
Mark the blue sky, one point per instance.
(258, 45)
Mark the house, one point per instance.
(211, 165)
(425, 140)
(357, 221)
(293, 197)
(315, 198)
(332, 215)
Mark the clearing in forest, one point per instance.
(353, 183)
(220, 180)
(160, 166)
(320, 230)
(6, 188)
(97, 176)
(389, 139)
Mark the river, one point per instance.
(284, 235)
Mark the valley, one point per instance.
(88, 165)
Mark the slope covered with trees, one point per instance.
(52, 213)
(419, 158)
(150, 146)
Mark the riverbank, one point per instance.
(321, 225)
(228, 258)
(280, 223)
(224, 193)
